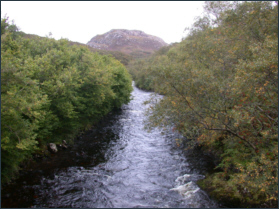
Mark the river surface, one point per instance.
(117, 164)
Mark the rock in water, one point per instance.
(64, 144)
(187, 178)
(194, 196)
(52, 148)
(186, 190)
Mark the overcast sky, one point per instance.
(82, 20)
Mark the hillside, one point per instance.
(133, 42)
(122, 57)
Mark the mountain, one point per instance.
(133, 42)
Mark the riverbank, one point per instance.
(20, 192)
(117, 164)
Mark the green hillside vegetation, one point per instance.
(122, 57)
(141, 69)
(221, 92)
(50, 91)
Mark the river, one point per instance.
(117, 164)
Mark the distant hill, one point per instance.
(133, 42)
(122, 57)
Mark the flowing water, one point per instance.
(117, 164)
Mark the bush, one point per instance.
(221, 91)
(50, 91)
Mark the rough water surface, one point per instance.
(116, 165)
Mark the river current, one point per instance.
(118, 164)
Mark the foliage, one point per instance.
(221, 90)
(141, 71)
(122, 57)
(50, 91)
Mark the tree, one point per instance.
(50, 91)
(221, 93)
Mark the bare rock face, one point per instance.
(133, 42)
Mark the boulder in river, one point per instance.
(186, 189)
(194, 196)
(52, 148)
(64, 144)
(187, 178)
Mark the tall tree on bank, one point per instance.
(221, 92)
(50, 91)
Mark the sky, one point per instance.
(82, 20)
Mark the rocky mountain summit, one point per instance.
(133, 42)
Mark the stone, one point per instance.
(52, 148)
(187, 178)
(64, 144)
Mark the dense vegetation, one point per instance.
(50, 91)
(221, 92)
(122, 57)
